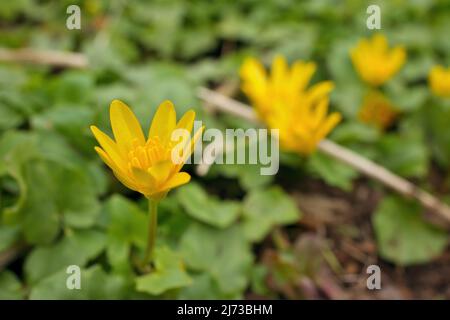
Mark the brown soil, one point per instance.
(337, 224)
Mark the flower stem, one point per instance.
(152, 224)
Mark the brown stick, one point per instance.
(45, 57)
(363, 165)
(385, 176)
(223, 103)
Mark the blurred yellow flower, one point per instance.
(283, 101)
(377, 110)
(439, 81)
(375, 61)
(146, 165)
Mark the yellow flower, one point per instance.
(377, 110)
(439, 80)
(146, 165)
(375, 61)
(283, 101)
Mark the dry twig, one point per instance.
(45, 57)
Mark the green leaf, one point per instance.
(332, 171)
(403, 237)
(348, 98)
(249, 175)
(339, 62)
(8, 235)
(169, 274)
(354, 132)
(95, 284)
(38, 212)
(17, 147)
(349, 90)
(258, 281)
(127, 226)
(224, 254)
(118, 253)
(168, 81)
(265, 209)
(71, 121)
(207, 208)
(404, 154)
(11, 288)
(436, 117)
(75, 248)
(204, 287)
(172, 220)
(405, 98)
(73, 85)
(127, 222)
(9, 117)
(76, 199)
(53, 186)
(195, 42)
(62, 193)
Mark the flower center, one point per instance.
(146, 156)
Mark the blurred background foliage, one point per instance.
(61, 206)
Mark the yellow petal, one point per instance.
(328, 125)
(253, 69)
(126, 182)
(189, 148)
(186, 121)
(177, 180)
(301, 74)
(255, 74)
(143, 177)
(106, 159)
(163, 122)
(118, 172)
(320, 90)
(125, 126)
(397, 58)
(379, 42)
(320, 112)
(109, 146)
(160, 171)
(279, 73)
